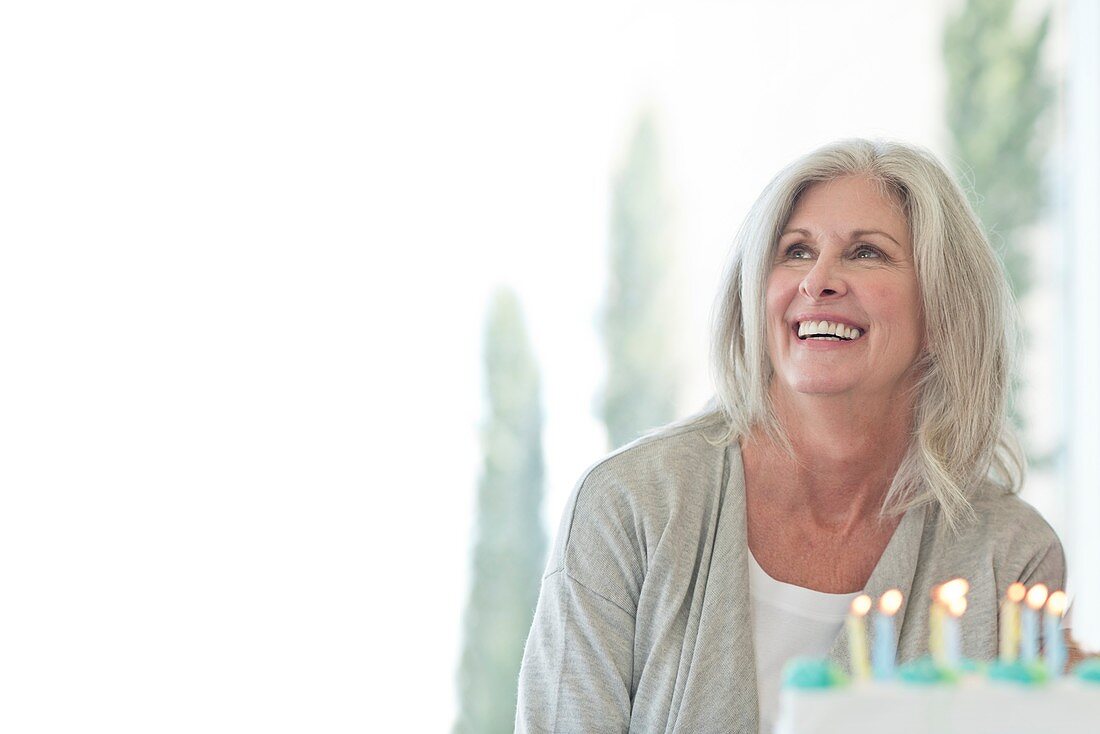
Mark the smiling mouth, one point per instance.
(827, 331)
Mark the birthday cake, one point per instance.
(1008, 699)
(1022, 692)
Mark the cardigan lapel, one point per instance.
(895, 570)
(720, 690)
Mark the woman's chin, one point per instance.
(824, 390)
(821, 385)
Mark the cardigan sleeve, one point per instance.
(1047, 566)
(577, 664)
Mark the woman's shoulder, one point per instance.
(667, 481)
(1015, 537)
(659, 467)
(668, 448)
(1005, 540)
(1006, 516)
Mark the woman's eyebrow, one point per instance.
(862, 232)
(803, 232)
(853, 235)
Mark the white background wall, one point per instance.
(249, 248)
(1081, 365)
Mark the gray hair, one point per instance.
(961, 438)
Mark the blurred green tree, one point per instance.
(510, 544)
(997, 99)
(640, 392)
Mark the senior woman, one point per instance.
(858, 442)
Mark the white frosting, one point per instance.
(975, 706)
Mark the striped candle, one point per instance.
(945, 642)
(1029, 623)
(1010, 622)
(857, 637)
(1054, 647)
(951, 632)
(884, 651)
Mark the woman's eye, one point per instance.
(797, 252)
(865, 252)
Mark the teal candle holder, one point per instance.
(1088, 671)
(1019, 672)
(924, 672)
(811, 673)
(969, 666)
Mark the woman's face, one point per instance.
(844, 258)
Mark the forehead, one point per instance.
(849, 203)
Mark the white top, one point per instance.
(788, 621)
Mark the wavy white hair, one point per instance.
(961, 437)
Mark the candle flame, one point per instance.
(1056, 604)
(1037, 596)
(890, 602)
(861, 605)
(957, 606)
(1016, 592)
(953, 589)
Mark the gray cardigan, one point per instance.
(644, 620)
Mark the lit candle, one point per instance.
(885, 647)
(951, 633)
(1029, 623)
(1054, 643)
(949, 604)
(953, 589)
(935, 630)
(857, 637)
(1010, 622)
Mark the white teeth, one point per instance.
(822, 329)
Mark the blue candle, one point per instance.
(952, 636)
(1029, 623)
(1055, 643)
(952, 599)
(884, 652)
(1029, 635)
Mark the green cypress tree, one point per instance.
(997, 99)
(510, 544)
(640, 392)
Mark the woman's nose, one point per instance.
(823, 281)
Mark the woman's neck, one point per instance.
(846, 451)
